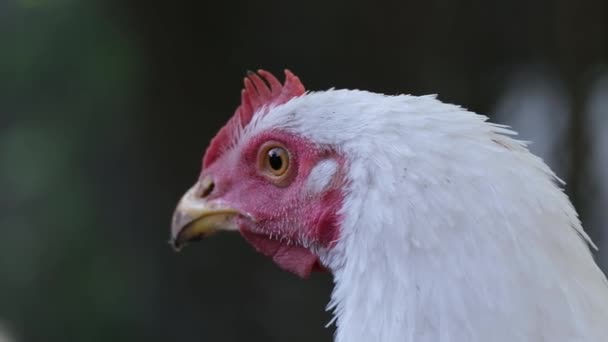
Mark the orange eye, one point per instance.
(274, 161)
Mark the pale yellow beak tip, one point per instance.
(196, 218)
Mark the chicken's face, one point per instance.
(280, 190)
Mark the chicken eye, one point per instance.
(274, 162)
(276, 157)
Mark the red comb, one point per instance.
(261, 91)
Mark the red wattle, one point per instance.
(292, 258)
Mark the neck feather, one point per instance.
(450, 245)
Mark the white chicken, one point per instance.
(436, 225)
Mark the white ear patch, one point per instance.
(321, 176)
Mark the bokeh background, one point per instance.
(107, 106)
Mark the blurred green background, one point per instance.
(107, 106)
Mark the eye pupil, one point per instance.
(275, 160)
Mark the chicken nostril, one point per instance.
(208, 190)
(206, 187)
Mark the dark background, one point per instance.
(107, 106)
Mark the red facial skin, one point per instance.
(293, 216)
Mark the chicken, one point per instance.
(435, 224)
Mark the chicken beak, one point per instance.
(195, 218)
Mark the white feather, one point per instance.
(452, 230)
(321, 176)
